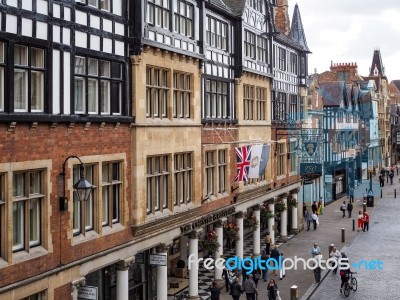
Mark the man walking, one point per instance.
(351, 194)
(315, 250)
(314, 207)
(308, 219)
(343, 208)
(264, 257)
(250, 288)
(349, 208)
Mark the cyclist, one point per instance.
(344, 276)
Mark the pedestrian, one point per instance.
(275, 260)
(343, 208)
(281, 270)
(315, 220)
(304, 211)
(382, 180)
(308, 219)
(268, 241)
(366, 221)
(360, 220)
(315, 250)
(391, 175)
(351, 194)
(236, 290)
(250, 288)
(317, 269)
(230, 277)
(321, 207)
(349, 208)
(264, 257)
(256, 276)
(335, 254)
(272, 289)
(314, 207)
(215, 291)
(397, 168)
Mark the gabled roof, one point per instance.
(221, 4)
(377, 68)
(297, 31)
(397, 84)
(332, 93)
(236, 6)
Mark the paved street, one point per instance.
(381, 242)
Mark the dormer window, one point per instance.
(376, 72)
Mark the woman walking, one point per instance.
(272, 289)
(360, 220)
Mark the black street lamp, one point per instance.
(82, 188)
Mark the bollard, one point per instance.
(343, 236)
(354, 225)
(293, 293)
(364, 207)
(381, 193)
(395, 193)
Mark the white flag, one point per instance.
(255, 159)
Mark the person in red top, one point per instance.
(366, 221)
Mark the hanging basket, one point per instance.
(231, 232)
(280, 207)
(250, 221)
(265, 213)
(210, 242)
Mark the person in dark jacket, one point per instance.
(275, 255)
(236, 290)
(215, 291)
(272, 289)
(314, 207)
(349, 208)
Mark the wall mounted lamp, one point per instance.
(82, 188)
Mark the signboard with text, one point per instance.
(370, 166)
(158, 260)
(310, 169)
(87, 293)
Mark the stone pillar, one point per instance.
(162, 275)
(76, 284)
(295, 224)
(183, 248)
(239, 243)
(284, 214)
(219, 253)
(194, 268)
(123, 279)
(256, 233)
(271, 222)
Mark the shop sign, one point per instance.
(87, 292)
(310, 169)
(209, 219)
(158, 260)
(370, 165)
(328, 178)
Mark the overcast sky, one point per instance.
(346, 31)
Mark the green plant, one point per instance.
(250, 221)
(292, 202)
(280, 206)
(210, 241)
(265, 213)
(231, 232)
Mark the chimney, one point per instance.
(282, 20)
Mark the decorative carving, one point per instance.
(125, 264)
(182, 57)
(161, 248)
(156, 51)
(77, 283)
(173, 55)
(102, 124)
(87, 126)
(239, 215)
(117, 125)
(71, 126)
(53, 126)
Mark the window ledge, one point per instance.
(183, 207)
(3, 263)
(115, 228)
(90, 235)
(35, 252)
(293, 173)
(280, 177)
(159, 215)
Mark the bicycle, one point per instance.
(351, 284)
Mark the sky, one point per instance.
(345, 31)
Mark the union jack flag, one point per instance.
(243, 155)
